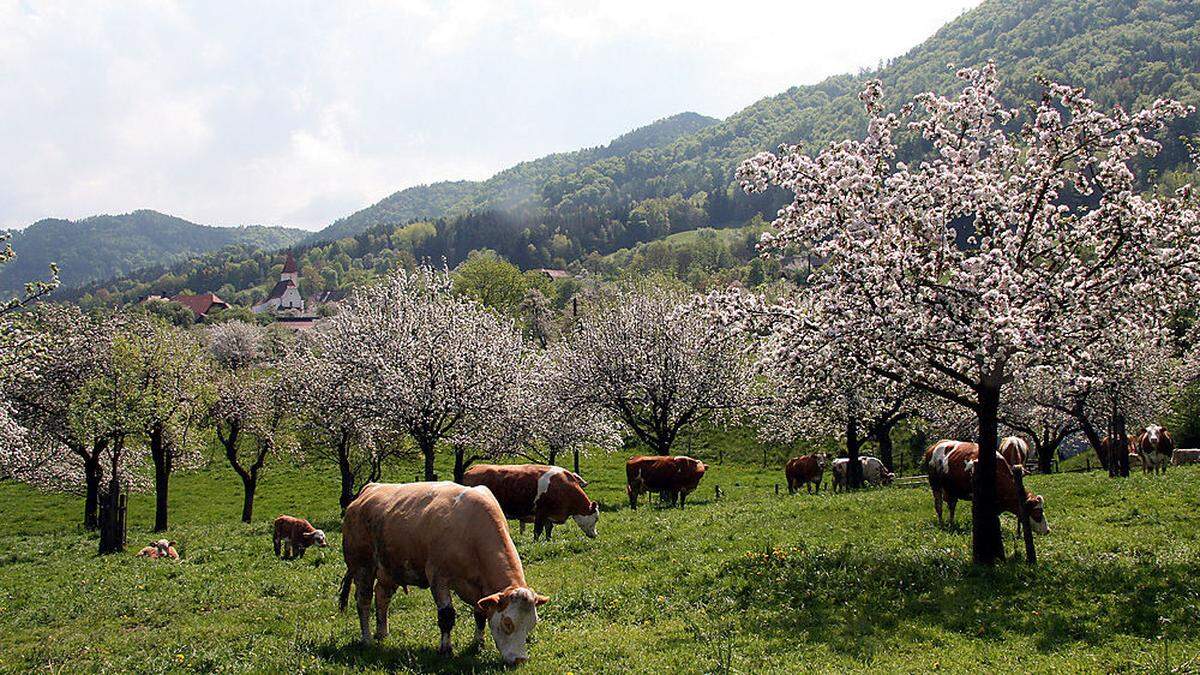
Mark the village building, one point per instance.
(553, 275)
(285, 295)
(200, 305)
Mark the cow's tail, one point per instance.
(344, 593)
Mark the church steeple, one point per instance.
(291, 271)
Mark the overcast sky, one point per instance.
(297, 113)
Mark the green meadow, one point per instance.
(752, 582)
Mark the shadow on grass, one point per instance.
(855, 599)
(394, 656)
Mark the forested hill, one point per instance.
(515, 185)
(100, 247)
(568, 207)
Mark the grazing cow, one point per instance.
(673, 476)
(950, 466)
(874, 472)
(806, 470)
(446, 537)
(535, 493)
(159, 549)
(294, 535)
(1014, 449)
(1188, 456)
(1155, 446)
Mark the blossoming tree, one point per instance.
(959, 272)
(427, 362)
(655, 360)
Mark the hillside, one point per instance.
(513, 185)
(574, 207)
(100, 247)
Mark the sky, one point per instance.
(297, 113)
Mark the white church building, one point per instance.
(286, 294)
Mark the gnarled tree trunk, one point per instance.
(987, 544)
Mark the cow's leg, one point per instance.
(682, 498)
(538, 526)
(791, 486)
(300, 550)
(480, 622)
(276, 542)
(383, 595)
(633, 495)
(364, 588)
(952, 503)
(549, 529)
(937, 506)
(445, 613)
(522, 526)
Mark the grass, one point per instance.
(753, 583)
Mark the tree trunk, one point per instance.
(577, 462)
(347, 473)
(460, 463)
(91, 501)
(854, 474)
(1045, 457)
(987, 544)
(552, 456)
(249, 486)
(427, 447)
(883, 437)
(162, 475)
(112, 530)
(1122, 443)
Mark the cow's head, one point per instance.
(587, 522)
(888, 477)
(315, 538)
(822, 459)
(1035, 506)
(512, 614)
(1154, 433)
(163, 546)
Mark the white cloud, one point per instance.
(297, 113)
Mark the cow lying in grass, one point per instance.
(445, 537)
(159, 549)
(950, 466)
(294, 535)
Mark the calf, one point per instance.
(446, 537)
(294, 535)
(806, 470)
(675, 477)
(1111, 454)
(874, 472)
(950, 466)
(535, 493)
(1155, 446)
(159, 549)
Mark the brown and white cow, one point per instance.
(1155, 446)
(807, 470)
(1185, 456)
(874, 472)
(1111, 454)
(536, 493)
(293, 535)
(159, 549)
(675, 477)
(446, 537)
(1014, 450)
(950, 466)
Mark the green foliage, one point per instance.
(493, 281)
(750, 583)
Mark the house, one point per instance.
(200, 305)
(553, 275)
(286, 293)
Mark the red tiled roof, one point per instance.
(200, 304)
(280, 287)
